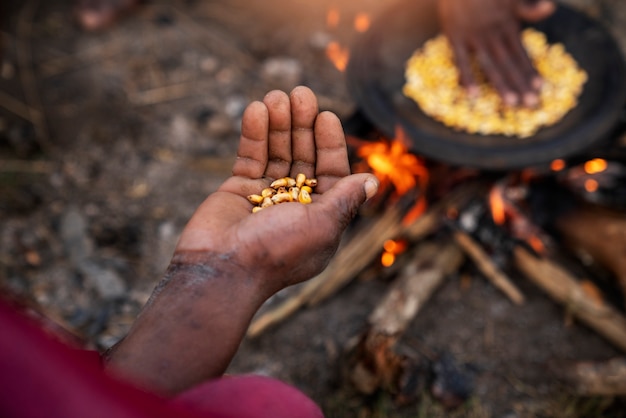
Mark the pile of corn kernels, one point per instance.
(432, 81)
(285, 189)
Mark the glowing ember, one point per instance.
(597, 165)
(557, 165)
(361, 22)
(338, 55)
(591, 185)
(496, 203)
(391, 249)
(392, 163)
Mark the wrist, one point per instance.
(190, 327)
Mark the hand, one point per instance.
(490, 31)
(229, 260)
(287, 243)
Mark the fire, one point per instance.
(338, 55)
(591, 185)
(557, 165)
(361, 22)
(496, 204)
(393, 164)
(391, 248)
(595, 166)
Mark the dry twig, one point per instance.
(488, 268)
(565, 289)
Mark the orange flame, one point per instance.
(557, 165)
(536, 244)
(597, 165)
(391, 248)
(361, 22)
(496, 203)
(392, 163)
(338, 55)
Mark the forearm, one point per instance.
(189, 330)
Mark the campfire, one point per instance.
(557, 226)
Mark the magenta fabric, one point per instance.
(42, 377)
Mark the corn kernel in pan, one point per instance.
(432, 81)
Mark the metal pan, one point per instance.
(375, 76)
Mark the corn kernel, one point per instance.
(432, 81)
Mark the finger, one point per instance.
(534, 11)
(342, 202)
(304, 110)
(332, 153)
(508, 67)
(279, 152)
(494, 75)
(524, 67)
(252, 153)
(462, 59)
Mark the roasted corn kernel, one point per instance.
(282, 190)
(432, 81)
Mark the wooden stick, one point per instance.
(18, 108)
(598, 378)
(34, 107)
(34, 167)
(377, 365)
(488, 268)
(408, 293)
(565, 289)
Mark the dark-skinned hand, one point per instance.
(228, 260)
(489, 30)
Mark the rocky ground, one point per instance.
(109, 141)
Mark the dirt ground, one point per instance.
(140, 122)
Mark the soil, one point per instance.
(140, 123)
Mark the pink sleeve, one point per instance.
(42, 377)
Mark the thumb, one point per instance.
(342, 201)
(534, 10)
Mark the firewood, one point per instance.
(359, 251)
(376, 364)
(598, 378)
(567, 290)
(600, 234)
(488, 268)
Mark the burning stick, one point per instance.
(377, 365)
(565, 289)
(488, 268)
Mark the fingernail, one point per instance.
(473, 91)
(371, 188)
(531, 100)
(510, 99)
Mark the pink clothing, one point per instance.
(42, 377)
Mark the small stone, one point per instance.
(282, 73)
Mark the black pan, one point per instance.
(375, 76)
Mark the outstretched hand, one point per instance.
(489, 30)
(228, 260)
(290, 242)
